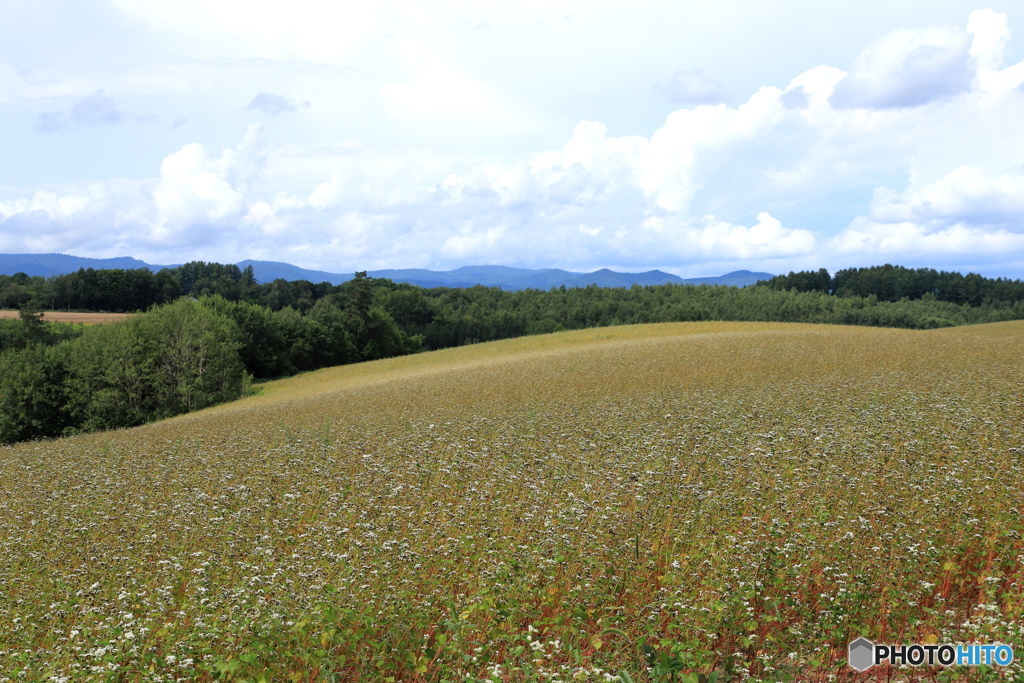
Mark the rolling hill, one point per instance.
(717, 499)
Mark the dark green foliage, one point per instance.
(199, 278)
(483, 314)
(15, 335)
(339, 331)
(113, 382)
(383, 337)
(804, 281)
(408, 305)
(303, 339)
(33, 398)
(118, 291)
(172, 360)
(343, 327)
(32, 318)
(418, 309)
(893, 283)
(195, 356)
(18, 289)
(126, 291)
(264, 349)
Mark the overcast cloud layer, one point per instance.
(563, 134)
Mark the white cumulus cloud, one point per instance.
(915, 152)
(991, 37)
(966, 195)
(911, 240)
(908, 68)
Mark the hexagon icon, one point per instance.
(862, 654)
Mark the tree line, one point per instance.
(205, 346)
(893, 283)
(128, 291)
(125, 291)
(173, 359)
(179, 357)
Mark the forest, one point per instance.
(206, 330)
(893, 283)
(129, 291)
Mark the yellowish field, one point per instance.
(733, 500)
(70, 317)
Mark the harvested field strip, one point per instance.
(70, 317)
(739, 499)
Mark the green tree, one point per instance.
(33, 393)
(197, 362)
(384, 339)
(32, 318)
(13, 291)
(171, 360)
(338, 328)
(114, 380)
(264, 349)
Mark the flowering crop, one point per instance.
(689, 502)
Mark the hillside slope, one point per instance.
(692, 497)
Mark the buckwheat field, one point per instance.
(684, 502)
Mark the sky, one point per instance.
(694, 138)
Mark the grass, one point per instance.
(689, 502)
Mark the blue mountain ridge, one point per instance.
(48, 265)
(504, 277)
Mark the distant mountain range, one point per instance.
(48, 265)
(504, 277)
